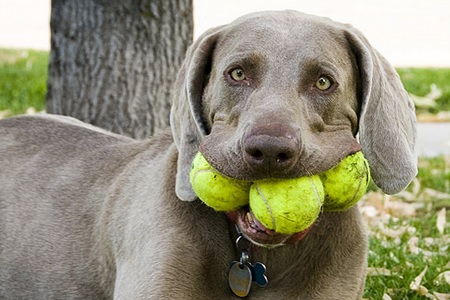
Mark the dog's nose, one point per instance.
(271, 148)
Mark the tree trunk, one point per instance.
(113, 63)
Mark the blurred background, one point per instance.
(407, 32)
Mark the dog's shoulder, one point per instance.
(47, 128)
(64, 138)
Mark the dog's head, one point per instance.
(284, 94)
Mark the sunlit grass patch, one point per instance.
(432, 82)
(23, 80)
(409, 237)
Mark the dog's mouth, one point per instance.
(258, 234)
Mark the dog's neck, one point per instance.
(243, 272)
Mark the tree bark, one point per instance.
(113, 63)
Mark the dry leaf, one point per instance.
(412, 245)
(30, 111)
(421, 290)
(428, 100)
(440, 296)
(415, 249)
(443, 277)
(416, 284)
(400, 208)
(434, 194)
(4, 113)
(369, 211)
(374, 199)
(378, 272)
(386, 297)
(393, 233)
(429, 241)
(441, 220)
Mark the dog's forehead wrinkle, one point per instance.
(296, 38)
(243, 55)
(286, 21)
(287, 32)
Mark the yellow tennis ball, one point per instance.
(287, 206)
(346, 183)
(216, 190)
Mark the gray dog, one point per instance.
(87, 214)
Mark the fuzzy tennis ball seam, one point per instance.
(274, 227)
(287, 206)
(267, 206)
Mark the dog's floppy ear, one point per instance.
(186, 116)
(387, 119)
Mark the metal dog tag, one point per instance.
(240, 279)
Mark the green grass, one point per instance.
(394, 254)
(418, 81)
(23, 80)
(435, 173)
(417, 243)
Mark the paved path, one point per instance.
(433, 139)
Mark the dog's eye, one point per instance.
(237, 74)
(323, 83)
